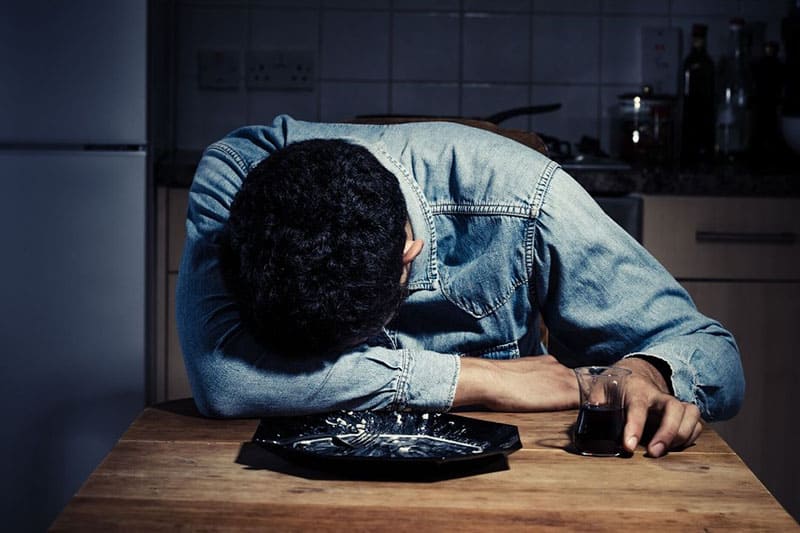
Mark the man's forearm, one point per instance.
(537, 383)
(473, 381)
(641, 366)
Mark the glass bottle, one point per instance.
(698, 120)
(733, 96)
(768, 78)
(790, 32)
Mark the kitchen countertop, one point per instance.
(717, 182)
(177, 170)
(174, 469)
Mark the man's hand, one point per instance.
(538, 383)
(647, 395)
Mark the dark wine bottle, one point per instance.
(790, 32)
(698, 125)
(768, 79)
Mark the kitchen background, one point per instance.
(99, 196)
(225, 64)
(434, 57)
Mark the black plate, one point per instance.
(407, 443)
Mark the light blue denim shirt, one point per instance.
(510, 240)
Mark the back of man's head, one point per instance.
(314, 245)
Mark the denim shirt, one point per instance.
(510, 240)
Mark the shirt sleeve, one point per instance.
(231, 375)
(604, 297)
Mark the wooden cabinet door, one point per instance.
(169, 380)
(724, 238)
(177, 379)
(763, 317)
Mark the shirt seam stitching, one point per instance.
(542, 188)
(481, 209)
(493, 306)
(451, 394)
(426, 209)
(500, 348)
(226, 150)
(406, 362)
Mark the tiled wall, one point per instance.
(442, 57)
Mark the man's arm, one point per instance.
(604, 298)
(538, 383)
(230, 373)
(541, 383)
(607, 301)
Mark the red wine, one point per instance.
(599, 430)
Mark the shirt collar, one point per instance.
(424, 273)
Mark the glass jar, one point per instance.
(647, 123)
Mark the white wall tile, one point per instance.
(425, 46)
(263, 106)
(567, 6)
(427, 5)
(345, 100)
(482, 100)
(356, 4)
(578, 114)
(704, 7)
(206, 116)
(284, 28)
(565, 49)
(208, 28)
(497, 5)
(766, 9)
(217, 3)
(649, 7)
(496, 48)
(621, 48)
(285, 3)
(425, 99)
(574, 52)
(769, 11)
(355, 45)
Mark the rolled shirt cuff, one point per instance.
(428, 381)
(681, 378)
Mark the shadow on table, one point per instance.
(647, 435)
(558, 444)
(255, 457)
(184, 407)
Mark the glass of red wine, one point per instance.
(601, 419)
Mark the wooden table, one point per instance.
(174, 470)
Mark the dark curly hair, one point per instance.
(313, 247)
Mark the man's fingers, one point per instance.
(636, 418)
(678, 422)
(698, 429)
(680, 426)
(689, 425)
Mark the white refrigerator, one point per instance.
(73, 187)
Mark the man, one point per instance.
(411, 267)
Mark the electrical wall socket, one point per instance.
(218, 69)
(661, 59)
(280, 69)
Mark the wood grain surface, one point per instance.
(175, 470)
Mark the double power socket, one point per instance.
(274, 69)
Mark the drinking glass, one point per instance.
(601, 419)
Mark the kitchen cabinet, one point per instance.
(170, 381)
(739, 258)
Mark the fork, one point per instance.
(360, 440)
